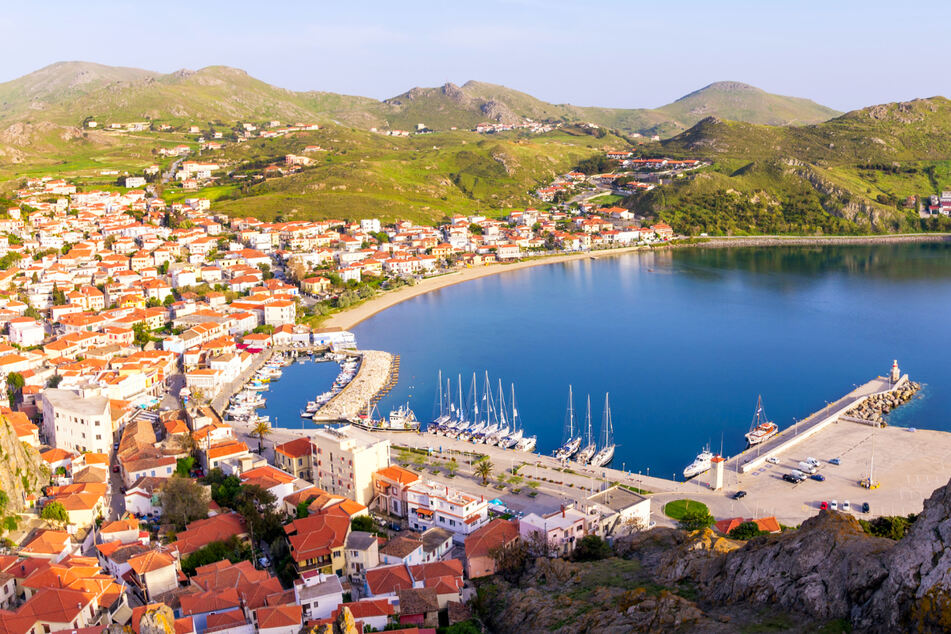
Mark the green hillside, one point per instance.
(421, 178)
(741, 102)
(859, 168)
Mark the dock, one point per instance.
(375, 374)
(392, 379)
(755, 457)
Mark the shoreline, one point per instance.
(353, 316)
(350, 318)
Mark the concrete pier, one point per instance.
(755, 457)
(372, 377)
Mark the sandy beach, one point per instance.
(350, 318)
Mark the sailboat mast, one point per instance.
(461, 408)
(442, 403)
(501, 405)
(589, 422)
(514, 412)
(571, 415)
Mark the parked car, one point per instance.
(845, 506)
(818, 477)
(264, 562)
(115, 468)
(739, 495)
(835, 461)
(823, 505)
(772, 460)
(788, 477)
(115, 446)
(865, 507)
(395, 527)
(812, 461)
(834, 505)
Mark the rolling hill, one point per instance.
(67, 92)
(854, 173)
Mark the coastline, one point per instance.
(351, 317)
(347, 319)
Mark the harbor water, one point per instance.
(683, 341)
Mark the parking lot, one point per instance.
(908, 465)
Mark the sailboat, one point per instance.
(761, 429)
(572, 442)
(511, 440)
(442, 418)
(590, 448)
(606, 453)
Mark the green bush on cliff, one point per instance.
(591, 548)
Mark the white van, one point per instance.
(797, 474)
(807, 467)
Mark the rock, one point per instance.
(823, 569)
(22, 473)
(916, 593)
(157, 620)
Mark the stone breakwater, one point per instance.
(876, 407)
(371, 377)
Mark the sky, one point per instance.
(841, 53)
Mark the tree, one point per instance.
(186, 442)
(55, 512)
(484, 470)
(262, 430)
(452, 466)
(54, 381)
(142, 335)
(511, 559)
(746, 530)
(266, 270)
(183, 466)
(224, 489)
(363, 523)
(15, 383)
(696, 519)
(183, 501)
(256, 506)
(591, 548)
(59, 297)
(232, 549)
(303, 509)
(4, 502)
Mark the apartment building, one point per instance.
(344, 465)
(431, 504)
(76, 423)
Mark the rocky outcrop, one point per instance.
(877, 406)
(824, 569)
(344, 624)
(915, 595)
(22, 473)
(157, 620)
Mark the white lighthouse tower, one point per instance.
(896, 373)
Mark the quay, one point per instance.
(373, 376)
(755, 457)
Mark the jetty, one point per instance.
(374, 375)
(756, 456)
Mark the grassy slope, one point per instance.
(420, 178)
(858, 166)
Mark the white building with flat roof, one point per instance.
(344, 465)
(560, 530)
(431, 504)
(73, 422)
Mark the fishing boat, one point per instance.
(761, 429)
(527, 444)
(606, 453)
(306, 414)
(572, 443)
(402, 418)
(590, 448)
(700, 465)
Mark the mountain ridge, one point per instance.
(109, 91)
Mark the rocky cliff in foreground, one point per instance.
(827, 574)
(21, 470)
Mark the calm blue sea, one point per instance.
(683, 341)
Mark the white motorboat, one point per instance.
(701, 464)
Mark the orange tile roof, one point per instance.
(151, 561)
(296, 448)
(399, 474)
(496, 533)
(279, 616)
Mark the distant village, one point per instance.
(127, 315)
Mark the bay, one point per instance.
(683, 340)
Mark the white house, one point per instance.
(77, 423)
(560, 529)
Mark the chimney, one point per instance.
(562, 510)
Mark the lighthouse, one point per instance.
(896, 373)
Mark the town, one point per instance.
(131, 320)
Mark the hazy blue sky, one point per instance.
(843, 53)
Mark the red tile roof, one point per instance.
(279, 616)
(214, 529)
